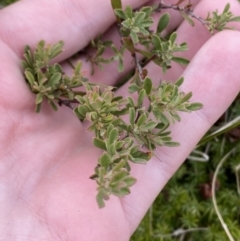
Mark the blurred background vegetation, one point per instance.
(6, 2)
(184, 210)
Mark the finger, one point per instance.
(73, 21)
(213, 76)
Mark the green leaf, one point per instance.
(41, 44)
(99, 143)
(180, 60)
(134, 37)
(120, 192)
(112, 148)
(119, 144)
(130, 181)
(160, 116)
(132, 115)
(82, 110)
(80, 99)
(179, 81)
(139, 160)
(99, 199)
(195, 106)
(78, 68)
(113, 135)
(109, 128)
(133, 88)
(120, 66)
(186, 98)
(119, 165)
(119, 13)
(234, 19)
(130, 101)
(224, 129)
(171, 143)
(148, 10)
(173, 37)
(27, 49)
(141, 96)
(147, 85)
(30, 78)
(156, 42)
(56, 49)
(128, 11)
(226, 9)
(150, 125)
(104, 160)
(163, 22)
(182, 47)
(139, 17)
(54, 80)
(141, 119)
(119, 176)
(175, 116)
(39, 98)
(38, 107)
(100, 50)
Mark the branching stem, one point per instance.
(186, 9)
(138, 66)
(67, 103)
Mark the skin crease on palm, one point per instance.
(46, 159)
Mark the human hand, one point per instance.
(46, 159)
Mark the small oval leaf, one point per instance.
(163, 22)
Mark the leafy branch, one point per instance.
(213, 22)
(150, 114)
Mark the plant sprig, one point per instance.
(150, 114)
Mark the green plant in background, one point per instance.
(184, 210)
(7, 2)
(205, 185)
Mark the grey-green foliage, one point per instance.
(120, 141)
(217, 22)
(48, 81)
(155, 107)
(135, 28)
(135, 24)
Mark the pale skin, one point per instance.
(46, 159)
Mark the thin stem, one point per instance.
(238, 178)
(150, 221)
(225, 227)
(67, 103)
(187, 10)
(138, 66)
(180, 231)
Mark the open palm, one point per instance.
(46, 159)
